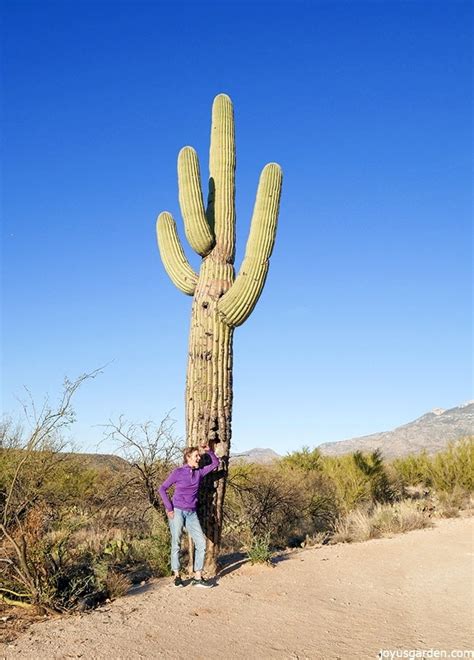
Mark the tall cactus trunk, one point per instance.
(220, 303)
(209, 394)
(209, 377)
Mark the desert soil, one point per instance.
(412, 591)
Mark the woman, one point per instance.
(181, 510)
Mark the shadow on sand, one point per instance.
(231, 562)
(235, 560)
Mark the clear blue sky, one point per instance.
(364, 322)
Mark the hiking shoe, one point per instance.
(204, 584)
(177, 582)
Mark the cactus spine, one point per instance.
(221, 300)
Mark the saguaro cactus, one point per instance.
(221, 301)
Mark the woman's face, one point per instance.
(193, 459)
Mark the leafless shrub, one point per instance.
(259, 502)
(150, 449)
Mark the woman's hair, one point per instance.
(187, 452)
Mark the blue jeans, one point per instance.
(190, 520)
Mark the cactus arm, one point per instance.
(237, 303)
(172, 255)
(221, 202)
(198, 232)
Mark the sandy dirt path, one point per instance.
(413, 591)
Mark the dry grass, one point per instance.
(94, 539)
(450, 504)
(406, 517)
(117, 585)
(314, 540)
(383, 519)
(353, 527)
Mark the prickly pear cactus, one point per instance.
(221, 300)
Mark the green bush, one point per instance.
(413, 469)
(154, 552)
(352, 487)
(306, 460)
(445, 471)
(372, 466)
(454, 467)
(259, 550)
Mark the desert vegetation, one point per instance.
(77, 529)
(307, 498)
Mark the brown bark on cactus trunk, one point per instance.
(209, 393)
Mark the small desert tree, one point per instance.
(151, 449)
(373, 467)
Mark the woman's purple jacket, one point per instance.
(186, 481)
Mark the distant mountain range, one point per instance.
(262, 456)
(430, 432)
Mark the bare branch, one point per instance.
(150, 449)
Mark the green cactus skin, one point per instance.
(221, 300)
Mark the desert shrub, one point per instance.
(302, 496)
(116, 584)
(445, 471)
(51, 573)
(259, 501)
(354, 526)
(413, 469)
(151, 450)
(64, 557)
(360, 479)
(58, 479)
(283, 500)
(319, 538)
(259, 550)
(317, 503)
(305, 460)
(379, 520)
(448, 504)
(454, 467)
(73, 533)
(316, 492)
(382, 489)
(153, 552)
(75, 564)
(399, 517)
(352, 487)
